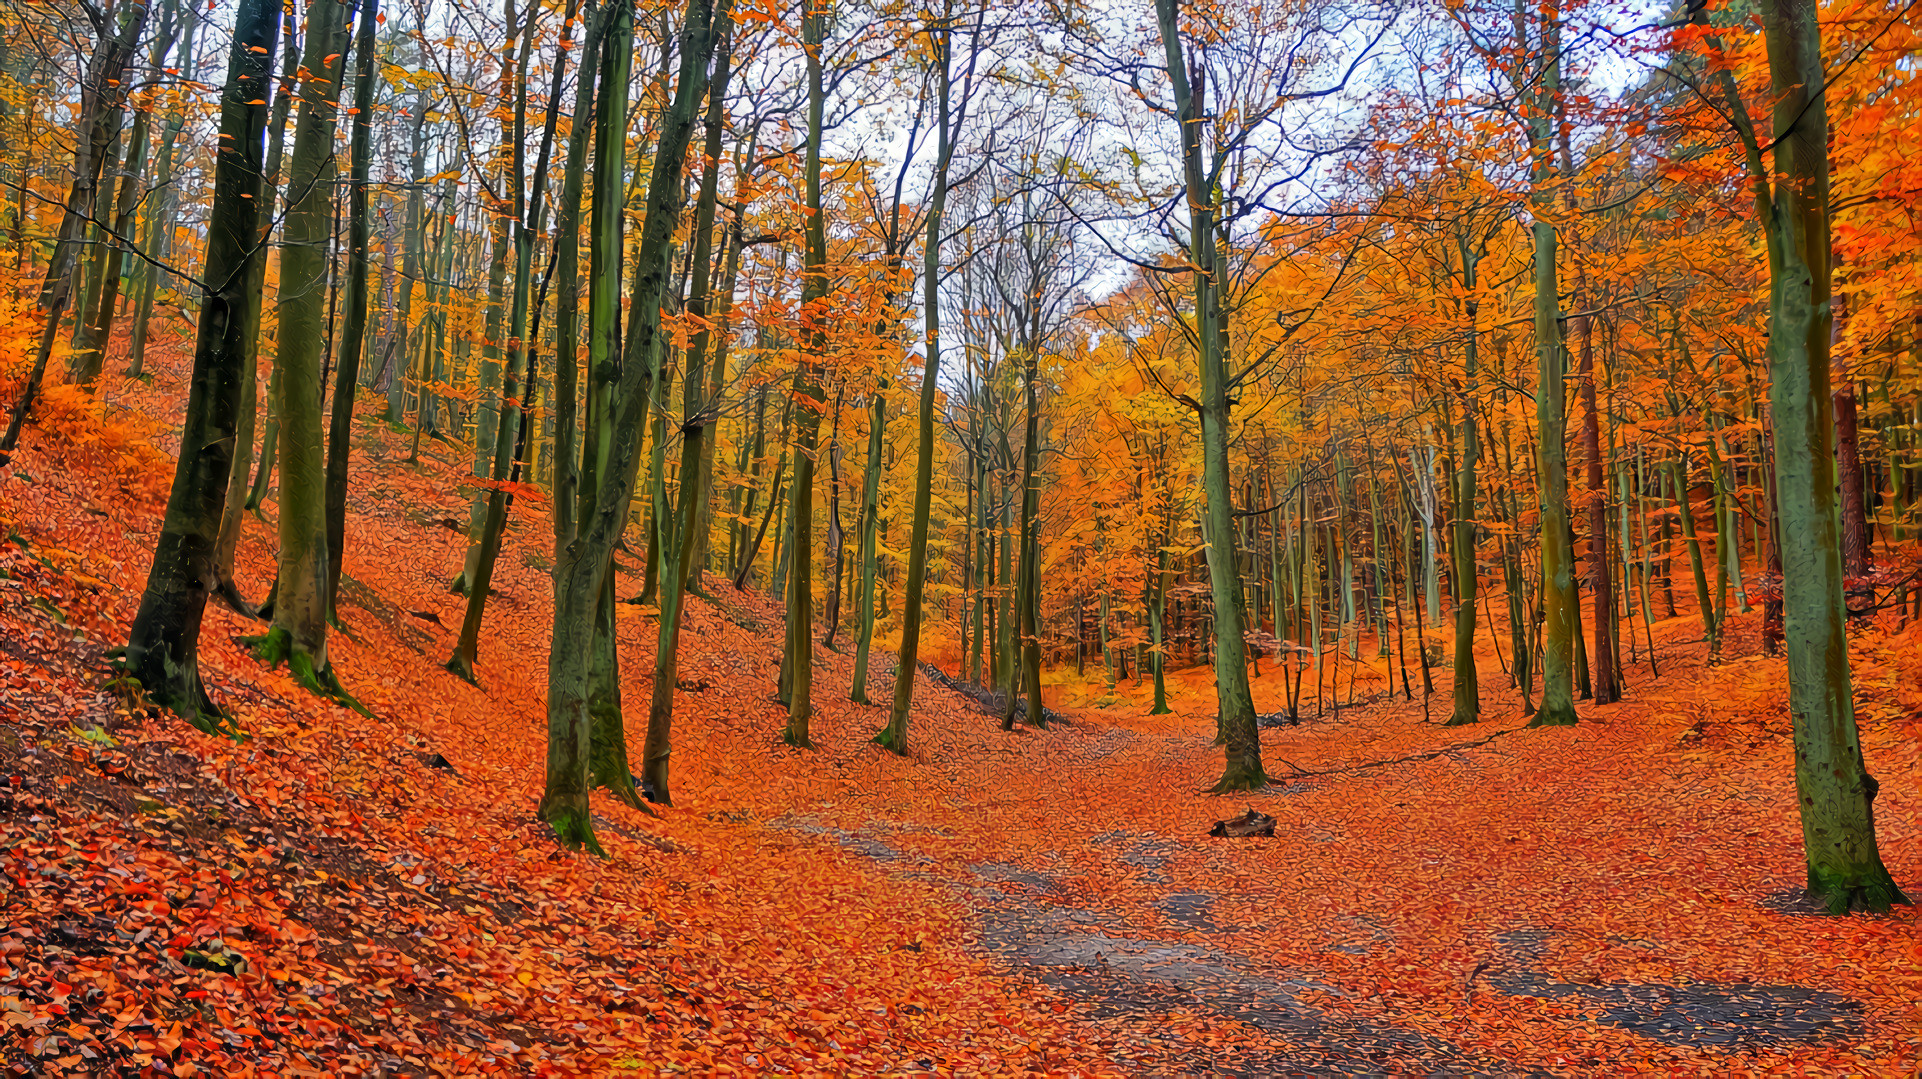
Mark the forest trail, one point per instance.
(337, 893)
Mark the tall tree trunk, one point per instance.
(836, 554)
(95, 328)
(1029, 598)
(1236, 721)
(1467, 687)
(675, 528)
(581, 572)
(397, 349)
(162, 650)
(894, 736)
(159, 239)
(1836, 794)
(529, 210)
(298, 635)
(353, 334)
(233, 515)
(865, 528)
(93, 268)
(1559, 624)
(810, 399)
(567, 306)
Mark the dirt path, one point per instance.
(1176, 957)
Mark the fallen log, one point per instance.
(1248, 824)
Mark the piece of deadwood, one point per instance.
(1250, 823)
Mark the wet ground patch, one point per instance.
(1700, 1015)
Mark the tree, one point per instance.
(1200, 181)
(581, 571)
(162, 648)
(949, 118)
(354, 330)
(298, 634)
(102, 89)
(809, 399)
(1834, 791)
(675, 527)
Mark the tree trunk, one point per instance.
(397, 347)
(298, 635)
(162, 650)
(353, 334)
(567, 233)
(529, 212)
(1467, 686)
(95, 328)
(810, 400)
(870, 556)
(894, 736)
(1236, 721)
(582, 571)
(159, 240)
(676, 527)
(233, 516)
(1836, 792)
(1601, 583)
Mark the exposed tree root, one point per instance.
(1300, 772)
(277, 647)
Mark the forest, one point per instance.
(1170, 537)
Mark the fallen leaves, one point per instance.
(348, 897)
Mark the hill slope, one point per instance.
(349, 896)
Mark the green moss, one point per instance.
(1241, 777)
(894, 741)
(1555, 717)
(1863, 887)
(575, 831)
(277, 647)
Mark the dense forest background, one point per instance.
(877, 392)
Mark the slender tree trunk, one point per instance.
(529, 212)
(354, 333)
(810, 399)
(1236, 721)
(95, 328)
(1559, 625)
(397, 347)
(1467, 684)
(298, 635)
(870, 556)
(836, 553)
(233, 516)
(1601, 583)
(1029, 597)
(162, 650)
(675, 530)
(894, 736)
(753, 548)
(567, 366)
(158, 242)
(582, 571)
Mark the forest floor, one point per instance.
(344, 896)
